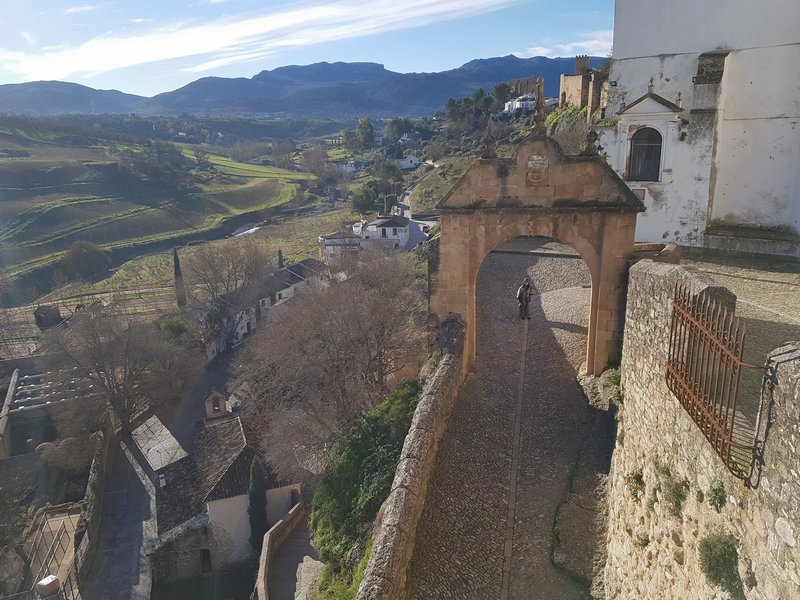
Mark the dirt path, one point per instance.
(506, 463)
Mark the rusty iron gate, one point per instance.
(704, 369)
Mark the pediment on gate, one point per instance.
(651, 104)
(539, 177)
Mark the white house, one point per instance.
(242, 309)
(202, 502)
(390, 231)
(335, 244)
(706, 99)
(525, 103)
(407, 163)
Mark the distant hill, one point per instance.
(59, 97)
(320, 90)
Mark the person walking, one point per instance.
(524, 294)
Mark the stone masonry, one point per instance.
(505, 463)
(540, 192)
(653, 550)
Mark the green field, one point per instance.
(55, 190)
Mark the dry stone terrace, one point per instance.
(505, 464)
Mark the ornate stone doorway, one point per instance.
(539, 192)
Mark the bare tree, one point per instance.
(221, 268)
(133, 365)
(330, 354)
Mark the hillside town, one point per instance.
(246, 355)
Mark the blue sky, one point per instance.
(151, 46)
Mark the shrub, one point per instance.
(717, 495)
(719, 561)
(675, 496)
(85, 259)
(614, 377)
(635, 483)
(642, 540)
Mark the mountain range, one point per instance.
(320, 90)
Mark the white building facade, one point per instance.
(706, 99)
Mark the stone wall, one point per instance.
(91, 516)
(385, 575)
(273, 539)
(653, 542)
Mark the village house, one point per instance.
(525, 103)
(407, 163)
(202, 501)
(386, 232)
(242, 310)
(704, 122)
(336, 244)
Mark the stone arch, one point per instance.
(539, 192)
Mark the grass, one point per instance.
(62, 192)
(435, 186)
(297, 238)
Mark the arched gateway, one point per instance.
(539, 192)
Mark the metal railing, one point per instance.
(51, 547)
(704, 369)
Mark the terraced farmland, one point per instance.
(52, 194)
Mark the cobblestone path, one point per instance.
(487, 527)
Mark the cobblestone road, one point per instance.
(480, 521)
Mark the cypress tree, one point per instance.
(257, 506)
(180, 288)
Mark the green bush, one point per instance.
(719, 561)
(359, 477)
(614, 377)
(642, 540)
(717, 495)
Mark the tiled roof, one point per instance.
(219, 468)
(390, 221)
(307, 268)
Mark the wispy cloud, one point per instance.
(81, 8)
(232, 40)
(596, 43)
(141, 20)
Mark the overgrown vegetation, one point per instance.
(717, 496)
(635, 483)
(356, 483)
(673, 491)
(719, 560)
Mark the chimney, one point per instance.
(581, 64)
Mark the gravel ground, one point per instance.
(466, 538)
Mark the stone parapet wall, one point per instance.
(273, 539)
(386, 572)
(653, 548)
(91, 516)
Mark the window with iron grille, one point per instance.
(645, 161)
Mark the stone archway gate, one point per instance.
(578, 200)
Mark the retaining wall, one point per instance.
(273, 539)
(653, 549)
(386, 572)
